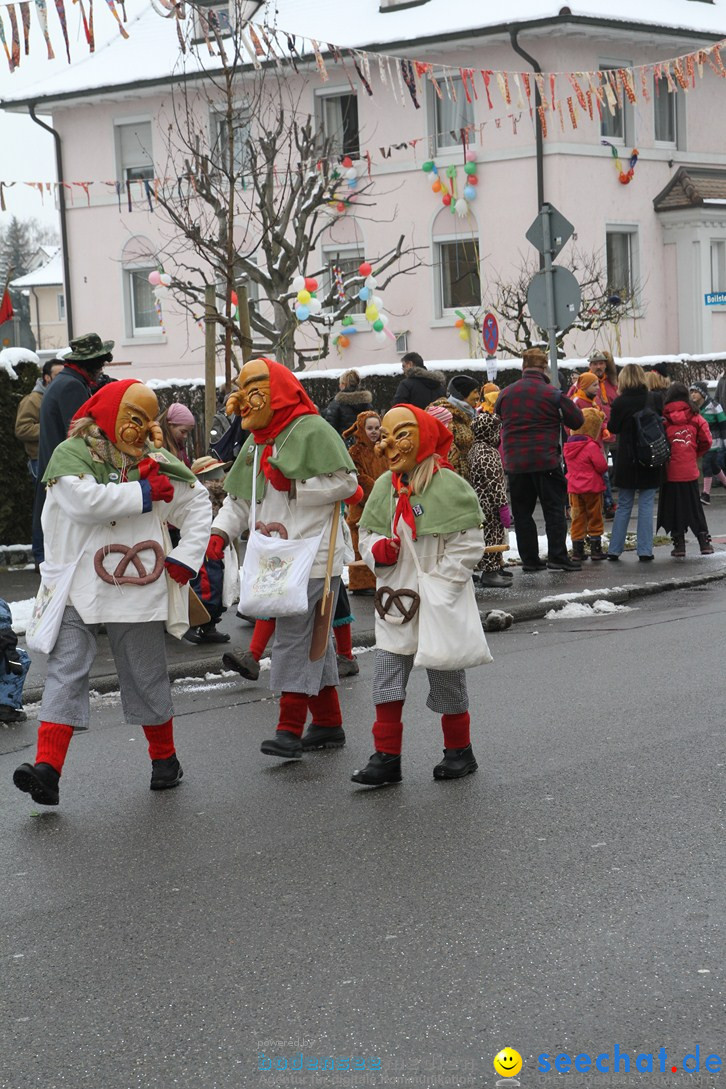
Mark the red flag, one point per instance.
(6, 308)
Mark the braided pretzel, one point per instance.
(386, 598)
(268, 528)
(130, 556)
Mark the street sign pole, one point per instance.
(550, 288)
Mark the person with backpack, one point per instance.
(638, 467)
(679, 505)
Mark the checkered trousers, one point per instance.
(447, 688)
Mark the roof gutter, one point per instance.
(62, 210)
(539, 142)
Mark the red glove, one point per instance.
(356, 497)
(215, 548)
(179, 572)
(385, 551)
(161, 488)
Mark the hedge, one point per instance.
(16, 484)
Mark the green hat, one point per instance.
(89, 349)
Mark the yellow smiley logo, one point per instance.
(508, 1062)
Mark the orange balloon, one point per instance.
(459, 323)
(436, 187)
(344, 342)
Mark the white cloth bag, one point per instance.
(450, 632)
(50, 601)
(230, 582)
(275, 573)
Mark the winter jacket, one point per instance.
(62, 399)
(486, 474)
(585, 464)
(689, 439)
(628, 472)
(463, 438)
(342, 411)
(419, 387)
(27, 420)
(532, 412)
(715, 417)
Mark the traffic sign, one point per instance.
(560, 232)
(567, 298)
(490, 333)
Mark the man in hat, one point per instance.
(62, 399)
(532, 414)
(111, 491)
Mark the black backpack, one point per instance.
(651, 445)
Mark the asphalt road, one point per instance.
(567, 898)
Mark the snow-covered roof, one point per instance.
(152, 52)
(46, 275)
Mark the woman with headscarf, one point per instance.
(369, 465)
(177, 424)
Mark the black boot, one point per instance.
(679, 545)
(596, 552)
(704, 542)
(578, 550)
(40, 781)
(243, 662)
(381, 769)
(284, 744)
(456, 764)
(323, 737)
(565, 565)
(166, 773)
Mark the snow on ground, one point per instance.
(576, 610)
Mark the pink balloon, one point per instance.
(154, 278)
(470, 156)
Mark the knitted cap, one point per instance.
(462, 386)
(699, 387)
(440, 413)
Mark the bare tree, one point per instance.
(602, 304)
(251, 201)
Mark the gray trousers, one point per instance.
(447, 687)
(291, 669)
(140, 656)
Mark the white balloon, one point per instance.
(161, 293)
(351, 173)
(377, 301)
(165, 279)
(315, 306)
(383, 318)
(298, 284)
(380, 336)
(371, 283)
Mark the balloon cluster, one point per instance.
(463, 324)
(307, 304)
(624, 176)
(447, 185)
(161, 282)
(349, 173)
(377, 320)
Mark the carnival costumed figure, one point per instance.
(439, 515)
(304, 470)
(110, 491)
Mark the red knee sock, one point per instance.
(325, 707)
(53, 741)
(344, 640)
(264, 630)
(388, 728)
(456, 730)
(293, 712)
(161, 740)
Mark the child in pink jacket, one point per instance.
(586, 464)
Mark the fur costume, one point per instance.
(486, 476)
(369, 465)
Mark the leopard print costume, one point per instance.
(486, 477)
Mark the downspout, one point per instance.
(513, 36)
(37, 316)
(62, 210)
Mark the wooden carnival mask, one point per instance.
(400, 440)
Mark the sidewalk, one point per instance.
(530, 598)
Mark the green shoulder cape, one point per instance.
(307, 447)
(448, 505)
(73, 458)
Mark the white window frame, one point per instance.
(432, 100)
(718, 264)
(678, 103)
(441, 310)
(633, 232)
(627, 112)
(133, 331)
(331, 254)
(217, 119)
(141, 163)
(336, 92)
(61, 306)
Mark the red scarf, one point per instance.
(288, 400)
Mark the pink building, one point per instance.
(662, 237)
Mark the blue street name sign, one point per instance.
(715, 298)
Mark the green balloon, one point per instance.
(470, 168)
(427, 167)
(378, 326)
(347, 320)
(451, 171)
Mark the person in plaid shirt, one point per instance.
(533, 413)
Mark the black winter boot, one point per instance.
(40, 781)
(705, 545)
(679, 545)
(284, 744)
(323, 737)
(381, 769)
(456, 764)
(596, 552)
(578, 550)
(166, 773)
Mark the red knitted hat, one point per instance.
(104, 405)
